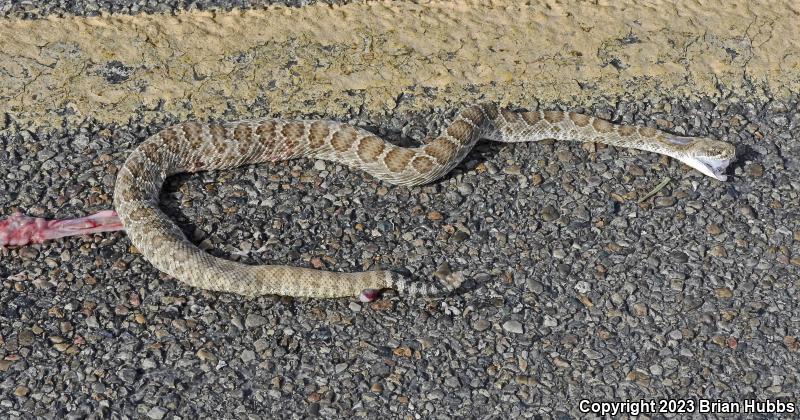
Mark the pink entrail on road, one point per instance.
(22, 230)
(19, 230)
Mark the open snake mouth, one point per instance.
(708, 156)
(713, 167)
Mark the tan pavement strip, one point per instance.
(323, 59)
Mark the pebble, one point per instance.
(28, 253)
(747, 212)
(583, 287)
(26, 337)
(635, 170)
(639, 309)
(535, 286)
(549, 213)
(443, 271)
(661, 202)
(206, 355)
(5, 364)
(718, 251)
(460, 236)
(465, 189)
(127, 375)
(481, 325)
(755, 170)
(247, 356)
(656, 370)
(254, 321)
(564, 155)
(91, 322)
(560, 363)
(435, 215)
(679, 257)
(594, 181)
(724, 292)
(513, 327)
(675, 334)
(156, 413)
(525, 380)
(592, 354)
(512, 170)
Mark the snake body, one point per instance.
(192, 147)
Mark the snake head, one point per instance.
(710, 157)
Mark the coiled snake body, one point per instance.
(192, 147)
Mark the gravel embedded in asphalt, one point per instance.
(35, 9)
(574, 289)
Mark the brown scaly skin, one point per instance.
(193, 147)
